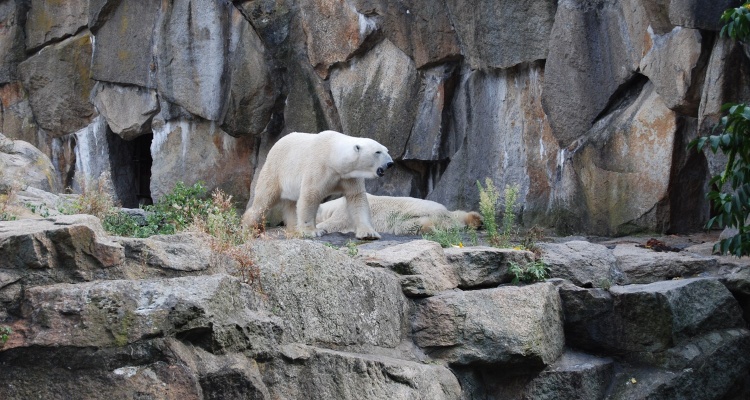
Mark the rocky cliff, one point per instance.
(586, 105)
(95, 316)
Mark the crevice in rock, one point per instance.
(625, 95)
(130, 163)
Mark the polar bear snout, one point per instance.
(381, 170)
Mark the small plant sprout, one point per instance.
(488, 196)
(535, 271)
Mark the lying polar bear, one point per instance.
(302, 169)
(398, 216)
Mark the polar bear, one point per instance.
(302, 169)
(398, 216)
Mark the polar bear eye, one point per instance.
(378, 152)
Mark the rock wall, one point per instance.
(586, 105)
(166, 317)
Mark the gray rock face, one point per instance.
(685, 45)
(596, 46)
(334, 31)
(643, 319)
(192, 56)
(74, 244)
(698, 14)
(422, 264)
(481, 267)
(502, 34)
(484, 140)
(421, 29)
(328, 297)
(192, 151)
(694, 376)
(11, 40)
(57, 79)
(24, 165)
(641, 265)
(124, 45)
(337, 375)
(51, 21)
(574, 376)
(583, 263)
(622, 190)
(128, 110)
(485, 326)
(374, 96)
(213, 312)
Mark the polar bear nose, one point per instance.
(390, 164)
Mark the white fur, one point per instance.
(302, 169)
(397, 215)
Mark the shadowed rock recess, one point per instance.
(586, 105)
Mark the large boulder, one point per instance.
(641, 265)
(16, 118)
(50, 21)
(508, 325)
(583, 263)
(421, 263)
(127, 109)
(502, 34)
(22, 165)
(215, 312)
(712, 366)
(59, 85)
(315, 373)
(643, 321)
(574, 375)
(325, 296)
(676, 65)
(480, 266)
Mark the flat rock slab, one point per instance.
(72, 242)
(483, 266)
(636, 320)
(641, 265)
(340, 375)
(574, 375)
(583, 263)
(326, 296)
(216, 312)
(506, 325)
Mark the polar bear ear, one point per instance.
(356, 148)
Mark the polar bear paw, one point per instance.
(367, 234)
(313, 233)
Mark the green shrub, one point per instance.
(447, 237)
(736, 22)
(534, 271)
(488, 196)
(733, 209)
(5, 333)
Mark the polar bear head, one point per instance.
(361, 158)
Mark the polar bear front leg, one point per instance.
(307, 208)
(359, 210)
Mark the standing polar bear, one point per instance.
(399, 216)
(302, 169)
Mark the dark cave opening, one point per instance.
(130, 163)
